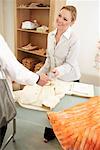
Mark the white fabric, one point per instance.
(63, 56)
(48, 95)
(1, 77)
(14, 70)
(35, 97)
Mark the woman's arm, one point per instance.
(46, 67)
(71, 59)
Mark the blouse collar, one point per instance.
(66, 34)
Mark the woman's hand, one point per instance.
(55, 72)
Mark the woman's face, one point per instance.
(63, 20)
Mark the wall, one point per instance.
(1, 18)
(87, 27)
(7, 9)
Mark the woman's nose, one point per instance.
(60, 19)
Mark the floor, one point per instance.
(31, 124)
(29, 136)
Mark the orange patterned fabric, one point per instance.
(78, 128)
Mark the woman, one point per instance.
(62, 53)
(63, 48)
(15, 71)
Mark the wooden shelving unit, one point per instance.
(44, 16)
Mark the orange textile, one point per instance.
(78, 128)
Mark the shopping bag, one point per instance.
(7, 105)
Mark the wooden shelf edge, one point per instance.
(33, 31)
(31, 52)
(43, 8)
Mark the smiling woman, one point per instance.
(63, 47)
(65, 19)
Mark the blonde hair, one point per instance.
(73, 11)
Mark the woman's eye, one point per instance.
(65, 19)
(59, 15)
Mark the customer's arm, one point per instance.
(16, 70)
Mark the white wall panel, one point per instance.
(87, 27)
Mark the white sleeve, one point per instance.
(71, 58)
(13, 67)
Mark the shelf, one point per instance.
(44, 8)
(31, 52)
(44, 16)
(33, 31)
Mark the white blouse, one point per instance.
(63, 56)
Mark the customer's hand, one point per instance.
(43, 80)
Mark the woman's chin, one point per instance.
(59, 27)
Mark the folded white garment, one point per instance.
(29, 25)
(48, 95)
(51, 94)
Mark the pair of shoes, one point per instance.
(29, 47)
(48, 134)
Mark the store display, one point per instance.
(29, 63)
(32, 5)
(29, 25)
(38, 66)
(40, 51)
(29, 47)
(43, 28)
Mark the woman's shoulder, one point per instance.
(74, 36)
(53, 32)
